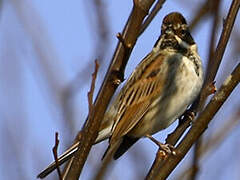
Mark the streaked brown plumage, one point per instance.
(160, 89)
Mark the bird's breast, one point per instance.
(177, 95)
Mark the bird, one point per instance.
(160, 89)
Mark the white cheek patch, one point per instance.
(194, 48)
(181, 42)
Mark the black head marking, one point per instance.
(175, 24)
(174, 20)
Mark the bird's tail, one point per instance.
(62, 159)
(126, 143)
(104, 133)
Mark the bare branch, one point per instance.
(215, 141)
(200, 125)
(175, 136)
(90, 93)
(90, 124)
(100, 27)
(160, 156)
(218, 56)
(227, 29)
(55, 154)
(115, 73)
(120, 38)
(215, 6)
(151, 16)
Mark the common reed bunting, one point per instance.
(157, 93)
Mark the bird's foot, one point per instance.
(168, 148)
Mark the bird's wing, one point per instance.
(138, 96)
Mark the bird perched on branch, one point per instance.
(157, 93)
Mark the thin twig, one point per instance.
(215, 141)
(215, 6)
(84, 134)
(200, 125)
(55, 154)
(114, 74)
(218, 56)
(152, 14)
(187, 118)
(100, 29)
(226, 32)
(120, 38)
(90, 93)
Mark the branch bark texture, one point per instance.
(112, 79)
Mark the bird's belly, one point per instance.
(167, 108)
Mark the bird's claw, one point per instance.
(168, 148)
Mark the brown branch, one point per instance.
(90, 93)
(184, 123)
(54, 149)
(115, 74)
(75, 171)
(120, 38)
(186, 119)
(227, 29)
(217, 57)
(236, 42)
(160, 157)
(100, 27)
(221, 133)
(215, 6)
(215, 141)
(175, 136)
(196, 156)
(152, 14)
(200, 125)
(209, 89)
(171, 139)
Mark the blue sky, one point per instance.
(44, 45)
